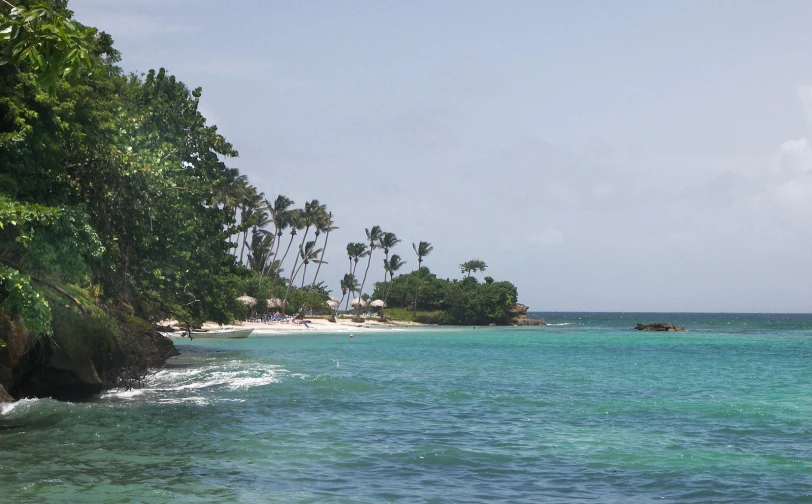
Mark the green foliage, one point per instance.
(473, 266)
(465, 302)
(478, 304)
(19, 298)
(45, 39)
(84, 335)
(406, 315)
(115, 181)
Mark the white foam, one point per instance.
(22, 404)
(122, 394)
(223, 375)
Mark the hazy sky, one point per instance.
(613, 156)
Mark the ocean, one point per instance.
(583, 410)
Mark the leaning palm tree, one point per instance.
(295, 223)
(325, 225)
(390, 266)
(422, 250)
(373, 237)
(348, 284)
(281, 217)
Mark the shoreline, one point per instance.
(316, 325)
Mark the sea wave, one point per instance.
(37, 411)
(233, 376)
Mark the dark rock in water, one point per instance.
(659, 326)
(518, 316)
(86, 354)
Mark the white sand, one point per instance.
(315, 324)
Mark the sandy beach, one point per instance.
(315, 325)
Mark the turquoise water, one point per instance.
(584, 410)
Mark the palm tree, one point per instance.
(310, 254)
(295, 222)
(373, 237)
(253, 211)
(281, 217)
(309, 216)
(355, 251)
(422, 250)
(325, 225)
(231, 193)
(390, 266)
(261, 250)
(386, 242)
(348, 284)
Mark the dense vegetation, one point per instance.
(465, 301)
(114, 188)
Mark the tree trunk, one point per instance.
(244, 239)
(323, 250)
(361, 291)
(294, 271)
(276, 273)
(273, 258)
(417, 287)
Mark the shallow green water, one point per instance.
(587, 410)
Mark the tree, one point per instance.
(310, 215)
(391, 266)
(281, 217)
(295, 223)
(473, 266)
(373, 237)
(254, 214)
(348, 285)
(422, 250)
(52, 45)
(260, 252)
(325, 225)
(355, 251)
(309, 254)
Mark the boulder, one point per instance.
(659, 326)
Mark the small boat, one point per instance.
(228, 332)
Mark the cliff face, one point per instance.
(87, 353)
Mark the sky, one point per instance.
(602, 156)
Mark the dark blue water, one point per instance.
(583, 410)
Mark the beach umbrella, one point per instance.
(247, 301)
(275, 303)
(333, 303)
(357, 301)
(378, 303)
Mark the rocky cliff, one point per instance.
(89, 351)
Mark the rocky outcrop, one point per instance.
(518, 316)
(88, 352)
(4, 396)
(659, 326)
